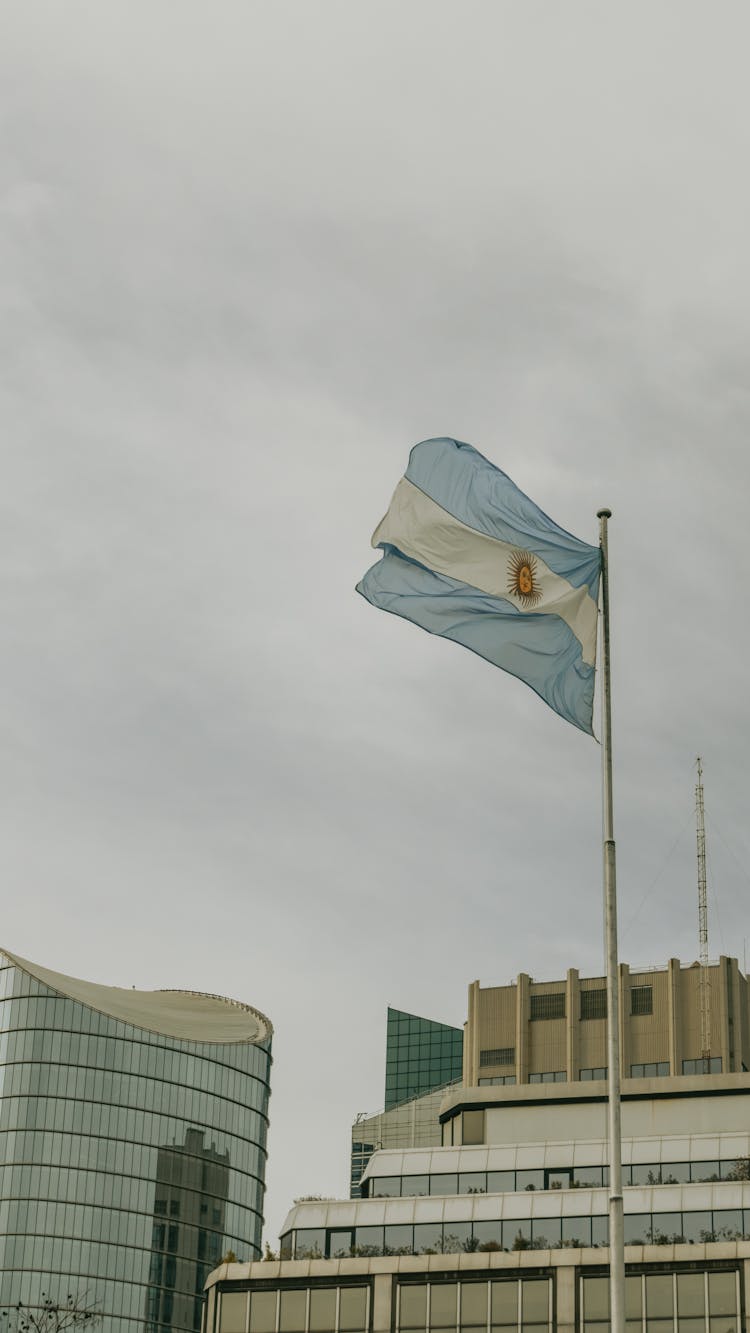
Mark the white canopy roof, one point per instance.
(185, 1015)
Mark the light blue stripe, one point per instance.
(477, 493)
(539, 649)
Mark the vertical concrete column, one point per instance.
(522, 1028)
(471, 1039)
(625, 1042)
(383, 1288)
(565, 1287)
(719, 1015)
(674, 1016)
(735, 1031)
(572, 1023)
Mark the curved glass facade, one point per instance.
(130, 1161)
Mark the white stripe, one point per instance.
(426, 532)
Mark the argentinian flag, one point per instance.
(469, 556)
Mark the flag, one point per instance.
(468, 556)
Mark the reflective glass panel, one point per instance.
(690, 1294)
(444, 1184)
(501, 1182)
(472, 1182)
(474, 1297)
(504, 1304)
(428, 1238)
(322, 1309)
(413, 1306)
(596, 1298)
(233, 1312)
(398, 1240)
(443, 1297)
(659, 1295)
(292, 1311)
(535, 1300)
(263, 1312)
(722, 1294)
(489, 1235)
(415, 1186)
(353, 1309)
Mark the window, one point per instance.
(547, 1006)
(712, 1066)
(498, 1055)
(589, 1075)
(551, 1076)
(472, 1128)
(657, 1069)
(497, 1079)
(594, 1003)
(641, 1000)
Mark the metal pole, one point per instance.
(616, 1227)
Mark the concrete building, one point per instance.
(505, 1225)
(422, 1057)
(133, 1144)
(556, 1031)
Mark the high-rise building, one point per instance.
(420, 1055)
(132, 1141)
(504, 1228)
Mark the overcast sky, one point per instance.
(251, 253)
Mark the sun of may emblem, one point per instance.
(523, 579)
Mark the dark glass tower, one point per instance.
(132, 1144)
(420, 1055)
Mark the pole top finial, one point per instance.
(604, 513)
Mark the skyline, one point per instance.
(248, 261)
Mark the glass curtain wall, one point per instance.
(129, 1162)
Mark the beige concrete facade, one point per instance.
(558, 1028)
(565, 1270)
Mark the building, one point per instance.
(133, 1138)
(413, 1124)
(556, 1031)
(505, 1225)
(422, 1057)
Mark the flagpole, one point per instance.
(616, 1224)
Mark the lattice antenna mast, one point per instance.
(705, 992)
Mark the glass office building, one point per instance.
(420, 1055)
(132, 1144)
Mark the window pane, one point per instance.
(596, 1298)
(234, 1312)
(428, 1238)
(690, 1294)
(545, 1233)
(443, 1304)
(696, 1227)
(415, 1186)
(667, 1228)
(444, 1184)
(675, 1173)
(385, 1187)
(413, 1301)
(353, 1308)
(529, 1180)
(498, 1182)
(504, 1303)
(473, 1304)
(322, 1309)
(489, 1235)
(263, 1312)
(576, 1231)
(722, 1293)
(517, 1235)
(659, 1300)
(398, 1240)
(472, 1182)
(728, 1224)
(292, 1315)
(637, 1228)
(688, 1325)
(473, 1127)
(535, 1301)
(310, 1243)
(368, 1240)
(633, 1297)
(457, 1238)
(340, 1244)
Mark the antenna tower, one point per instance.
(705, 992)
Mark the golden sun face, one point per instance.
(522, 578)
